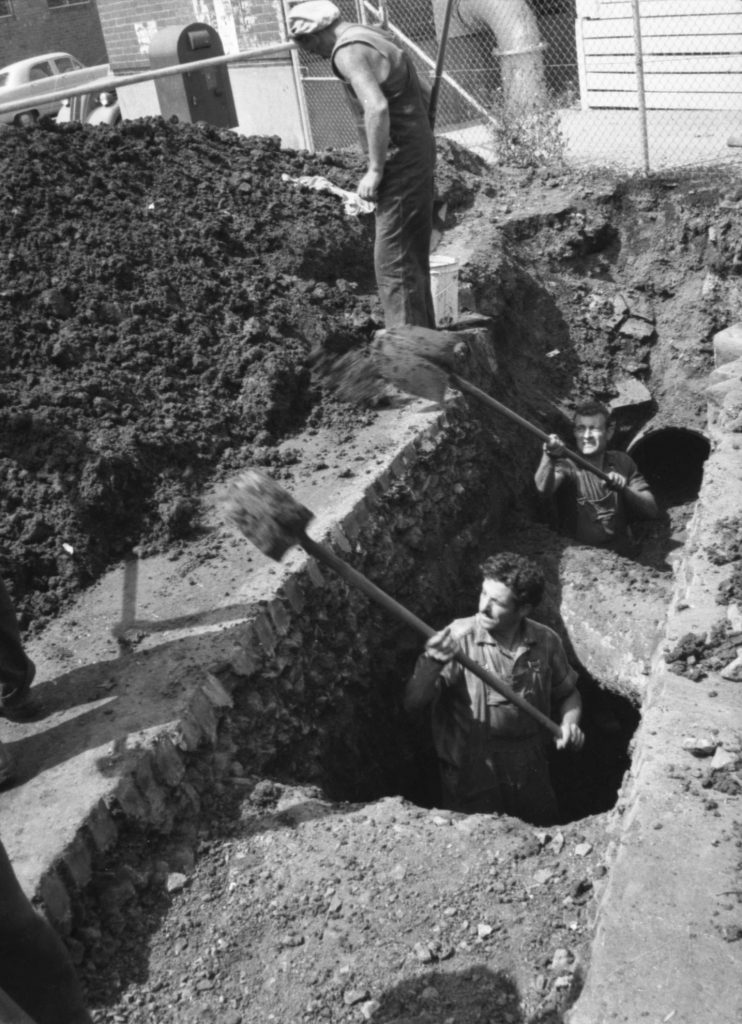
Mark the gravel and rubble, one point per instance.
(302, 909)
(697, 655)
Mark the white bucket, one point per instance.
(444, 284)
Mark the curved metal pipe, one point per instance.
(520, 49)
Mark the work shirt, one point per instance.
(470, 718)
(411, 140)
(590, 511)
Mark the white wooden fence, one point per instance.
(691, 54)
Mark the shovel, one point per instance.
(274, 522)
(423, 361)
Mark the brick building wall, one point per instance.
(129, 25)
(31, 27)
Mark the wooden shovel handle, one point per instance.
(357, 579)
(472, 389)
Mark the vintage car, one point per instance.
(31, 81)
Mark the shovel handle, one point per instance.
(358, 580)
(472, 389)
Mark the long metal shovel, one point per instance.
(421, 360)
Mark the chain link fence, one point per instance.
(638, 84)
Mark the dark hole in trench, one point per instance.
(586, 782)
(671, 460)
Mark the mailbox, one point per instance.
(201, 95)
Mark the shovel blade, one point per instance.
(417, 360)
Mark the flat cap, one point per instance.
(312, 16)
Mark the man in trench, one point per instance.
(492, 755)
(390, 105)
(593, 511)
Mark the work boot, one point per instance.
(21, 706)
(7, 767)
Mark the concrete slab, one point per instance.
(668, 944)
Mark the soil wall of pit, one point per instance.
(312, 692)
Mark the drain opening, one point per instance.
(671, 460)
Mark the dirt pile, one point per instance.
(611, 284)
(162, 288)
(347, 912)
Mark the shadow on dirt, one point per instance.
(472, 995)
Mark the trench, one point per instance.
(321, 708)
(376, 750)
(321, 714)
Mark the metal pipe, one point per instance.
(433, 105)
(519, 47)
(444, 77)
(117, 82)
(640, 96)
(301, 97)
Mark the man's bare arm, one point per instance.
(642, 501)
(570, 713)
(548, 476)
(639, 498)
(421, 688)
(364, 69)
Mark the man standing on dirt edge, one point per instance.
(491, 754)
(390, 106)
(593, 511)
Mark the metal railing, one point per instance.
(637, 84)
(112, 82)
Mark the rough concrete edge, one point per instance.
(141, 797)
(724, 394)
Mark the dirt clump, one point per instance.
(696, 655)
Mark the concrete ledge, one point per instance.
(666, 944)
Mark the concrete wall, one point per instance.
(267, 102)
(34, 28)
(265, 99)
(128, 25)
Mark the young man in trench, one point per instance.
(595, 512)
(390, 106)
(492, 755)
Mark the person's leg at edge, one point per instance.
(404, 219)
(16, 668)
(35, 968)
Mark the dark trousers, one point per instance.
(404, 225)
(35, 968)
(16, 668)
(518, 784)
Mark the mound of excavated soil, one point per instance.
(346, 913)
(162, 288)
